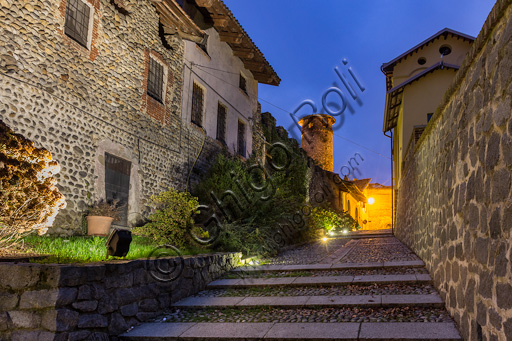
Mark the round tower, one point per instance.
(316, 138)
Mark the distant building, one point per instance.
(379, 208)
(415, 84)
(326, 186)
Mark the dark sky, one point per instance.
(305, 40)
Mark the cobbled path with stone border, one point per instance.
(360, 287)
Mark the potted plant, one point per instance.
(100, 216)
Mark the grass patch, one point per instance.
(85, 249)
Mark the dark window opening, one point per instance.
(429, 116)
(117, 184)
(77, 21)
(119, 8)
(422, 60)
(197, 104)
(241, 139)
(243, 84)
(221, 123)
(203, 45)
(445, 50)
(156, 80)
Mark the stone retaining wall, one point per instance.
(455, 202)
(96, 301)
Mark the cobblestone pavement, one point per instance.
(416, 303)
(347, 272)
(334, 290)
(399, 314)
(308, 253)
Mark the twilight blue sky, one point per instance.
(304, 40)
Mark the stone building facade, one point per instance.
(99, 84)
(454, 203)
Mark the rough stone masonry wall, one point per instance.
(455, 201)
(95, 301)
(80, 103)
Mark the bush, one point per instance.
(331, 220)
(172, 217)
(29, 200)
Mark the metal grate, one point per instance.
(221, 122)
(241, 139)
(117, 184)
(156, 80)
(197, 104)
(77, 21)
(243, 83)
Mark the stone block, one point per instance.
(85, 306)
(129, 309)
(481, 250)
(149, 304)
(91, 292)
(408, 331)
(39, 299)
(300, 331)
(22, 335)
(492, 154)
(21, 276)
(8, 301)
(60, 320)
(79, 335)
(92, 321)
(24, 319)
(117, 324)
(504, 295)
(156, 330)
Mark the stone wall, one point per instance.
(455, 201)
(96, 301)
(80, 102)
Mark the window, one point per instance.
(156, 80)
(422, 60)
(197, 104)
(117, 184)
(445, 50)
(78, 17)
(241, 138)
(243, 83)
(221, 122)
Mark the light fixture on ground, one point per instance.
(118, 243)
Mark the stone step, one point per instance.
(313, 301)
(328, 266)
(295, 331)
(318, 280)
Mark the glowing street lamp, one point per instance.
(371, 201)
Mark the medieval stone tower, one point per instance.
(316, 138)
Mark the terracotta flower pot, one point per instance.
(98, 226)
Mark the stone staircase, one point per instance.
(389, 298)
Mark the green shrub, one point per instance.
(329, 219)
(172, 218)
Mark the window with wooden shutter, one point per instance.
(241, 139)
(197, 104)
(156, 80)
(221, 122)
(78, 16)
(243, 83)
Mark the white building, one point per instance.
(221, 76)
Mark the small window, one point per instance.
(243, 83)
(78, 15)
(429, 116)
(422, 60)
(445, 50)
(156, 80)
(221, 122)
(197, 104)
(241, 139)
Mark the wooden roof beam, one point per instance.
(231, 37)
(254, 66)
(243, 52)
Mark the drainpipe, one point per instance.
(392, 185)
